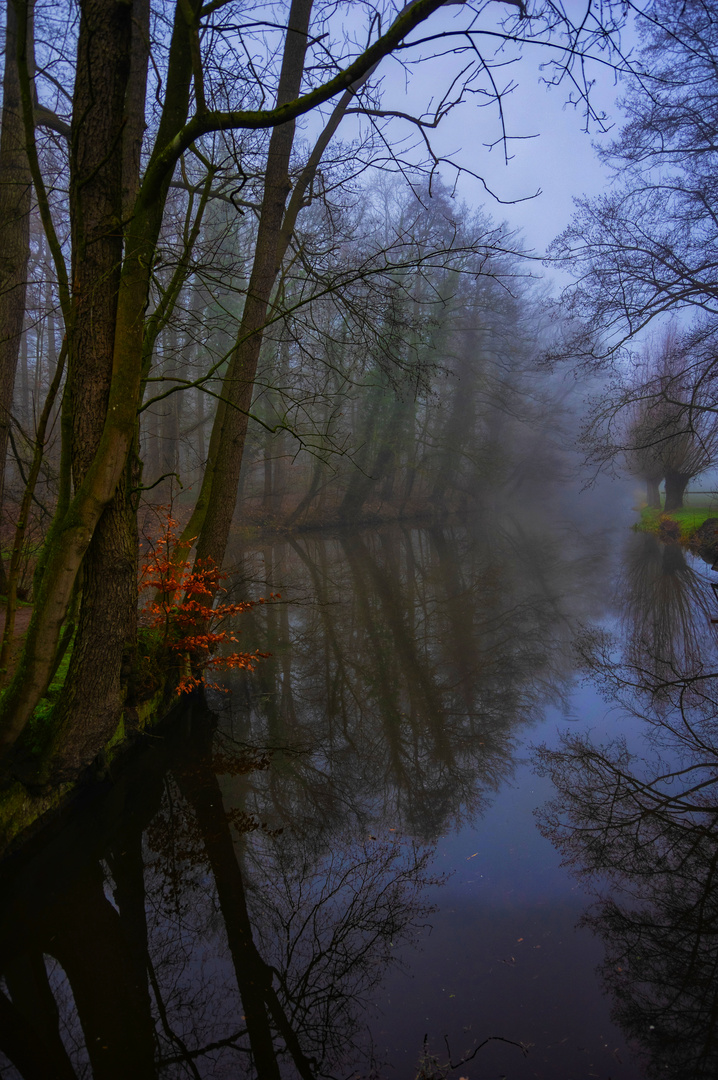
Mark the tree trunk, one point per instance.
(676, 484)
(217, 503)
(72, 531)
(653, 493)
(91, 700)
(15, 193)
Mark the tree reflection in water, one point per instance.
(230, 905)
(180, 960)
(642, 823)
(407, 672)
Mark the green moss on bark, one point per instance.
(23, 811)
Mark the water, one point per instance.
(350, 865)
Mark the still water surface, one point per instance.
(411, 831)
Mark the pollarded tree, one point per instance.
(644, 419)
(642, 455)
(672, 432)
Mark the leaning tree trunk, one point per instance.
(15, 191)
(217, 499)
(676, 484)
(212, 516)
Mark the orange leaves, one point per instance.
(186, 610)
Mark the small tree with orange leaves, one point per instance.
(185, 614)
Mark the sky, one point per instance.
(559, 161)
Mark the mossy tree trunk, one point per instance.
(114, 354)
(15, 194)
(91, 699)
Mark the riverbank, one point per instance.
(26, 811)
(695, 528)
(680, 525)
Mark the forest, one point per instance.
(240, 288)
(358, 617)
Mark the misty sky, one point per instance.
(560, 160)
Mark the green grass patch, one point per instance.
(688, 519)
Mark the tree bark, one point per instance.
(90, 703)
(218, 503)
(653, 493)
(15, 196)
(676, 484)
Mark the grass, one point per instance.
(689, 519)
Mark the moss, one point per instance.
(117, 739)
(149, 710)
(134, 720)
(21, 812)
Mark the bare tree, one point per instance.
(204, 103)
(648, 247)
(660, 417)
